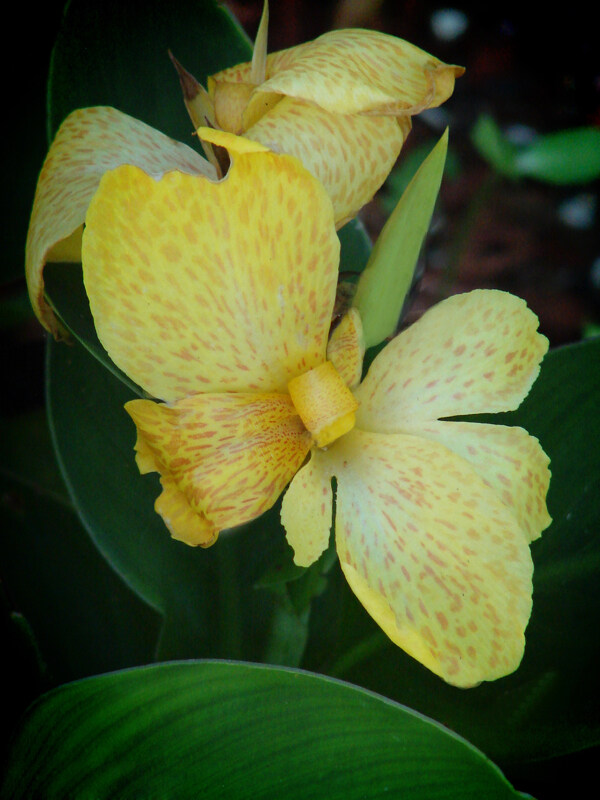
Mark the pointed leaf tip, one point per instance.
(385, 282)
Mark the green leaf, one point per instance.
(549, 706)
(564, 158)
(383, 285)
(491, 144)
(79, 615)
(115, 53)
(567, 157)
(241, 731)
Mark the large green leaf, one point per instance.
(223, 730)
(116, 53)
(550, 705)
(78, 617)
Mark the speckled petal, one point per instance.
(306, 510)
(350, 155)
(89, 142)
(435, 557)
(197, 286)
(508, 459)
(229, 456)
(346, 348)
(472, 353)
(357, 71)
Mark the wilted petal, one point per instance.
(350, 155)
(89, 142)
(472, 353)
(306, 510)
(508, 459)
(229, 455)
(197, 286)
(433, 554)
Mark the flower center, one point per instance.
(324, 403)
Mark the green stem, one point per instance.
(360, 652)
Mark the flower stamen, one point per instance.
(324, 403)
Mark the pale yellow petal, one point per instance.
(436, 558)
(306, 510)
(346, 348)
(472, 353)
(350, 155)
(197, 286)
(356, 71)
(230, 455)
(89, 142)
(508, 459)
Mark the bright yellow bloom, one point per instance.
(342, 104)
(217, 298)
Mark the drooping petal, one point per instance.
(354, 71)
(350, 155)
(197, 286)
(227, 457)
(472, 353)
(89, 142)
(509, 459)
(306, 510)
(184, 522)
(346, 348)
(433, 554)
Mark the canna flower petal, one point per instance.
(351, 155)
(90, 142)
(357, 71)
(306, 510)
(346, 348)
(432, 553)
(342, 104)
(509, 460)
(472, 353)
(197, 286)
(223, 458)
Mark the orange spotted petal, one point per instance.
(433, 554)
(224, 457)
(197, 286)
(350, 155)
(355, 71)
(307, 508)
(89, 142)
(346, 348)
(508, 459)
(472, 353)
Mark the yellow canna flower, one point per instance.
(342, 104)
(217, 298)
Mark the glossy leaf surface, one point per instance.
(217, 730)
